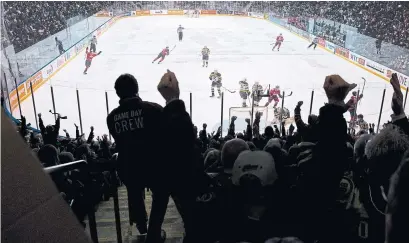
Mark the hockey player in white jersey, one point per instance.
(93, 44)
(216, 79)
(244, 91)
(257, 92)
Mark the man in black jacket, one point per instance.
(135, 126)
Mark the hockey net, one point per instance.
(268, 118)
(193, 13)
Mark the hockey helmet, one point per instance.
(205, 46)
(281, 33)
(94, 36)
(244, 79)
(360, 116)
(354, 93)
(277, 87)
(167, 47)
(216, 71)
(256, 82)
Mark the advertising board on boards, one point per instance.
(357, 58)
(159, 12)
(342, 52)
(331, 47)
(175, 12)
(208, 12)
(142, 12)
(376, 67)
(256, 15)
(240, 13)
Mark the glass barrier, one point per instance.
(40, 54)
(392, 56)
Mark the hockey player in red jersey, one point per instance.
(273, 96)
(352, 109)
(89, 56)
(279, 40)
(162, 55)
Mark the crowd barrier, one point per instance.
(37, 79)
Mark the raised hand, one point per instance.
(168, 86)
(397, 98)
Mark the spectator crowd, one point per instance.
(28, 22)
(317, 181)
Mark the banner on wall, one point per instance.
(175, 12)
(159, 12)
(342, 52)
(208, 12)
(142, 12)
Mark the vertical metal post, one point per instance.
(406, 97)
(18, 98)
(312, 100)
(380, 112)
(221, 118)
(34, 104)
(252, 110)
(106, 102)
(117, 216)
(79, 111)
(52, 98)
(282, 109)
(191, 117)
(8, 94)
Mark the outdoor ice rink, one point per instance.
(240, 48)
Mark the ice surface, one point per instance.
(240, 47)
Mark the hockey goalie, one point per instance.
(257, 93)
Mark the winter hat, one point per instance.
(360, 144)
(259, 164)
(48, 155)
(336, 88)
(126, 86)
(66, 157)
(231, 151)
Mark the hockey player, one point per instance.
(352, 109)
(165, 52)
(89, 57)
(279, 40)
(362, 124)
(256, 93)
(216, 79)
(313, 43)
(93, 44)
(205, 56)
(244, 91)
(273, 96)
(180, 32)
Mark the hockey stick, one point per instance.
(229, 90)
(172, 49)
(363, 88)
